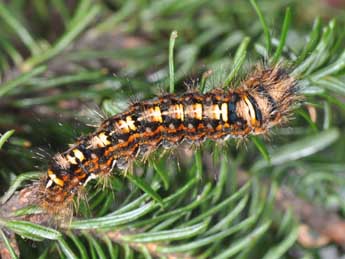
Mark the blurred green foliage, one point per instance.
(59, 60)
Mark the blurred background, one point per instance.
(66, 65)
(84, 54)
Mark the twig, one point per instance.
(329, 226)
(327, 223)
(26, 197)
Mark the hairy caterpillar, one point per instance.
(262, 101)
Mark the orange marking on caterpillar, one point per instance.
(259, 103)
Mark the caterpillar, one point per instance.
(263, 100)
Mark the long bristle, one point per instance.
(263, 100)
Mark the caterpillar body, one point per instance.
(262, 101)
